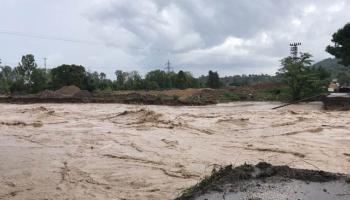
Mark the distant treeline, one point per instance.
(251, 79)
(27, 77)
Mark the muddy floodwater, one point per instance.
(115, 151)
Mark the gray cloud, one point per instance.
(228, 36)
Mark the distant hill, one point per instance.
(332, 65)
(337, 70)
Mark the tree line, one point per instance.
(27, 77)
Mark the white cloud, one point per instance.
(296, 22)
(309, 9)
(336, 7)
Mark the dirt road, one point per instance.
(114, 151)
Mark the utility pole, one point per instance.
(45, 59)
(168, 67)
(294, 49)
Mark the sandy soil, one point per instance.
(114, 151)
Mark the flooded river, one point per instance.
(115, 151)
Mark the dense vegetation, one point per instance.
(27, 77)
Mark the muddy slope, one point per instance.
(264, 181)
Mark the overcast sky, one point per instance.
(229, 36)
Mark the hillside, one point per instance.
(337, 70)
(332, 65)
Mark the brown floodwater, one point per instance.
(115, 151)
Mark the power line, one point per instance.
(154, 49)
(54, 38)
(43, 37)
(62, 39)
(45, 59)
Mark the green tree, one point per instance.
(213, 80)
(159, 77)
(302, 79)
(185, 80)
(69, 75)
(133, 81)
(341, 47)
(121, 79)
(343, 78)
(39, 80)
(181, 80)
(26, 68)
(6, 79)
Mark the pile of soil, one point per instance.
(264, 181)
(71, 91)
(68, 91)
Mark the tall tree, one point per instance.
(69, 75)
(26, 68)
(39, 80)
(302, 79)
(134, 81)
(121, 79)
(157, 77)
(213, 80)
(181, 80)
(341, 47)
(6, 79)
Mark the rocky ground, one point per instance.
(116, 151)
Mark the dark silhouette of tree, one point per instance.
(213, 80)
(39, 80)
(341, 47)
(6, 79)
(25, 69)
(157, 78)
(69, 75)
(181, 80)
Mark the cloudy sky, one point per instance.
(230, 36)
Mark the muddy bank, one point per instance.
(264, 181)
(171, 97)
(118, 151)
(72, 94)
(132, 98)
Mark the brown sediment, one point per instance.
(116, 151)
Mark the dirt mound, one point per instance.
(263, 181)
(65, 92)
(68, 91)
